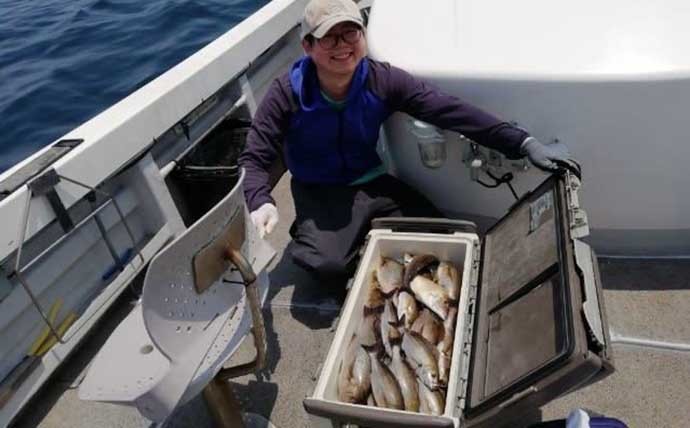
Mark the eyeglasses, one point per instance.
(329, 41)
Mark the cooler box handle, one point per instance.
(424, 225)
(373, 417)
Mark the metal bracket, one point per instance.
(213, 260)
(45, 184)
(478, 158)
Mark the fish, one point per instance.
(406, 380)
(361, 372)
(367, 330)
(421, 356)
(432, 295)
(407, 308)
(374, 300)
(429, 327)
(445, 347)
(407, 258)
(443, 366)
(384, 387)
(415, 266)
(449, 329)
(389, 274)
(354, 379)
(388, 322)
(449, 278)
(430, 402)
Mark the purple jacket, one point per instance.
(322, 145)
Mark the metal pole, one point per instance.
(17, 270)
(258, 328)
(222, 404)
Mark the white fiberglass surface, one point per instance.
(394, 245)
(540, 38)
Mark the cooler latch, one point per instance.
(423, 225)
(577, 217)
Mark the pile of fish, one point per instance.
(400, 355)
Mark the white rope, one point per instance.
(649, 343)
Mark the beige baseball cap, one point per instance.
(321, 15)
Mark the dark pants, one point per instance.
(332, 220)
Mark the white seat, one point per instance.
(175, 340)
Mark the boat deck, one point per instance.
(646, 299)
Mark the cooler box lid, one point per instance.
(532, 338)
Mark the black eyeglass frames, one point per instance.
(351, 36)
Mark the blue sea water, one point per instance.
(64, 61)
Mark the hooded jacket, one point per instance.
(324, 145)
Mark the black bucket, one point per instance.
(208, 172)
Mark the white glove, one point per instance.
(265, 218)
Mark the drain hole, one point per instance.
(146, 349)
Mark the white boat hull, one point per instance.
(621, 112)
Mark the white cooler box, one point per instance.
(531, 323)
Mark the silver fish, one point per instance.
(430, 402)
(432, 295)
(354, 379)
(449, 330)
(445, 347)
(443, 366)
(449, 278)
(406, 380)
(421, 356)
(366, 333)
(361, 371)
(384, 387)
(389, 273)
(388, 319)
(429, 327)
(416, 265)
(407, 308)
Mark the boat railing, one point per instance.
(44, 185)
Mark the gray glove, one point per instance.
(543, 155)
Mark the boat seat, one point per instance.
(177, 338)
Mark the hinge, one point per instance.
(476, 261)
(466, 350)
(577, 217)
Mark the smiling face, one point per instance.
(341, 59)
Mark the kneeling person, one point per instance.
(323, 117)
